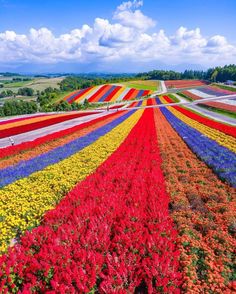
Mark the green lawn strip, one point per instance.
(140, 86)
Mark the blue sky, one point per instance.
(116, 36)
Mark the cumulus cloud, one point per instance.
(129, 15)
(125, 38)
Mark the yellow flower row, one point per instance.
(218, 136)
(24, 202)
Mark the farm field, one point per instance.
(118, 201)
(39, 84)
(143, 85)
(213, 91)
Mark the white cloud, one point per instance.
(126, 38)
(128, 15)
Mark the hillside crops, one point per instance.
(130, 201)
(106, 93)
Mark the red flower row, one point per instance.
(111, 233)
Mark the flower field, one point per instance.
(213, 91)
(106, 93)
(129, 201)
(183, 83)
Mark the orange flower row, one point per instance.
(204, 212)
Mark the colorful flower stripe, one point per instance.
(96, 96)
(224, 91)
(133, 104)
(8, 121)
(79, 94)
(88, 94)
(134, 94)
(230, 130)
(84, 94)
(116, 89)
(219, 105)
(25, 168)
(140, 94)
(214, 134)
(11, 150)
(73, 97)
(227, 129)
(151, 102)
(57, 139)
(32, 120)
(108, 91)
(129, 94)
(118, 94)
(219, 137)
(146, 92)
(214, 91)
(219, 158)
(40, 124)
(183, 83)
(23, 203)
(214, 104)
(191, 95)
(111, 234)
(70, 95)
(204, 211)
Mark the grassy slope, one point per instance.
(143, 85)
(36, 84)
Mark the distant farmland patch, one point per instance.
(143, 85)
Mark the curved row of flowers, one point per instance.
(54, 140)
(112, 233)
(23, 169)
(37, 123)
(219, 158)
(204, 210)
(23, 203)
(227, 129)
(212, 133)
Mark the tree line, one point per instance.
(216, 74)
(21, 92)
(72, 83)
(17, 107)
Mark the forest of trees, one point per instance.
(21, 92)
(14, 107)
(72, 83)
(216, 74)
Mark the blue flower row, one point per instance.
(217, 157)
(27, 167)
